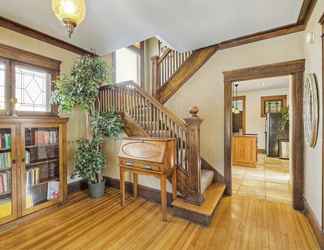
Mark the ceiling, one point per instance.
(264, 84)
(184, 24)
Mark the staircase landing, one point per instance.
(200, 214)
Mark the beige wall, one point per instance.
(206, 87)
(76, 123)
(313, 156)
(255, 124)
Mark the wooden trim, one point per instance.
(266, 71)
(306, 11)
(27, 57)
(243, 98)
(296, 69)
(322, 23)
(264, 99)
(309, 213)
(22, 29)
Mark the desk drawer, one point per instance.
(142, 166)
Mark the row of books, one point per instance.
(5, 180)
(5, 141)
(41, 153)
(45, 137)
(5, 160)
(35, 175)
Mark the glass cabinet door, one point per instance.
(8, 197)
(41, 171)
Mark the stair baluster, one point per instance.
(157, 121)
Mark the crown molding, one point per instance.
(22, 29)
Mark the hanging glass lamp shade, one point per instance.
(70, 12)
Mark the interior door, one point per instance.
(41, 166)
(8, 173)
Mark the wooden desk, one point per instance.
(244, 150)
(148, 156)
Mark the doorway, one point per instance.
(295, 70)
(261, 138)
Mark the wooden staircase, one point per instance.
(173, 69)
(146, 117)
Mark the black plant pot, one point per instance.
(96, 190)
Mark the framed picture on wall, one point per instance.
(272, 104)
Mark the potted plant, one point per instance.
(80, 89)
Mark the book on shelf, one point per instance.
(5, 160)
(32, 176)
(45, 137)
(5, 141)
(5, 180)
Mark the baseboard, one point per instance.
(314, 224)
(77, 186)
(147, 193)
(261, 151)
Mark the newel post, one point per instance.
(155, 74)
(193, 156)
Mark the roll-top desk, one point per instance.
(148, 156)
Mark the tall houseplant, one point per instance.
(80, 88)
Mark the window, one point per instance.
(272, 104)
(127, 65)
(33, 88)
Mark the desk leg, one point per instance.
(122, 186)
(163, 197)
(174, 184)
(135, 186)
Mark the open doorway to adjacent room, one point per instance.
(260, 139)
(278, 179)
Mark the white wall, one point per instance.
(206, 88)
(255, 124)
(313, 156)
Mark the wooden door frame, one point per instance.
(243, 99)
(291, 68)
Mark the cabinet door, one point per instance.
(8, 173)
(41, 168)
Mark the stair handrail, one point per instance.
(130, 98)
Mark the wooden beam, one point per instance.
(270, 70)
(321, 21)
(306, 11)
(22, 29)
(263, 35)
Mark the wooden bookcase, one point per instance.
(32, 165)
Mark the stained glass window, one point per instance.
(32, 89)
(2, 84)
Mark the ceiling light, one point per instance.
(70, 12)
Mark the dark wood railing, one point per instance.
(166, 65)
(151, 115)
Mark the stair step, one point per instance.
(207, 178)
(200, 214)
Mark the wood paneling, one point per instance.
(244, 150)
(22, 29)
(238, 223)
(296, 69)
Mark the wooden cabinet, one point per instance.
(32, 165)
(244, 150)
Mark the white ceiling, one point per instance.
(264, 84)
(184, 24)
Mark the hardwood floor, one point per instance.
(239, 223)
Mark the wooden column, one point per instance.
(155, 74)
(228, 137)
(193, 155)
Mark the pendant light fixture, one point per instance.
(70, 12)
(235, 108)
